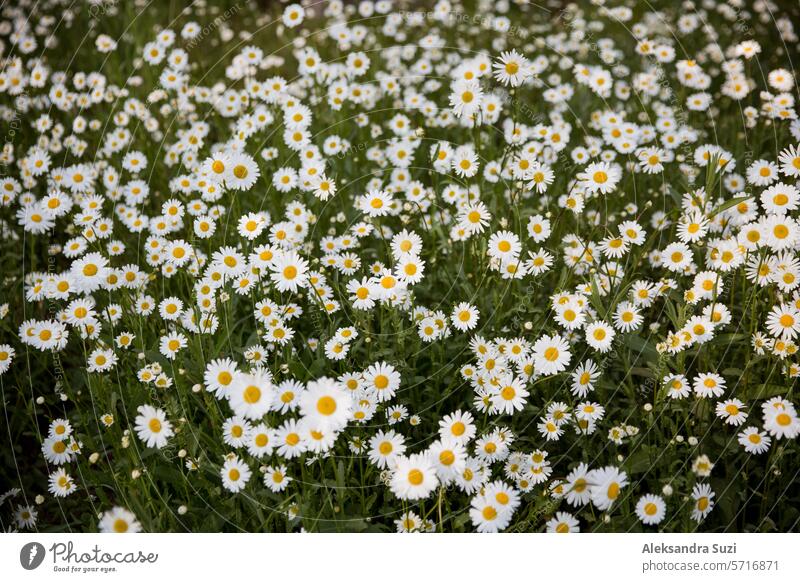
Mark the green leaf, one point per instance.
(727, 204)
(764, 391)
(641, 346)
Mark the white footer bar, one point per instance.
(386, 558)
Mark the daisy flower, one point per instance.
(651, 509)
(293, 15)
(326, 404)
(600, 177)
(464, 317)
(60, 483)
(413, 477)
(732, 411)
(235, 474)
(375, 203)
(289, 271)
(511, 68)
(606, 484)
(383, 380)
(251, 395)
(563, 522)
(152, 426)
(754, 441)
(276, 479)
(459, 426)
(600, 336)
(703, 501)
(487, 516)
(551, 355)
(119, 520)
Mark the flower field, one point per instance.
(378, 266)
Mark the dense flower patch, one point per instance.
(448, 266)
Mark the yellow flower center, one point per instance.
(326, 405)
(415, 477)
(252, 394)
